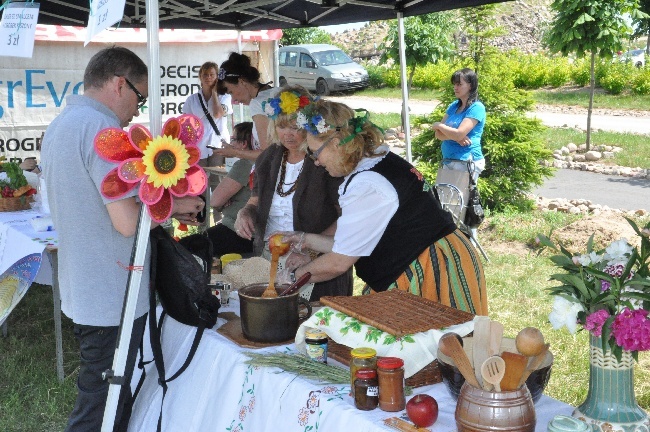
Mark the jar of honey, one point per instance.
(390, 373)
(361, 358)
(316, 345)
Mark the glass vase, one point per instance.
(611, 405)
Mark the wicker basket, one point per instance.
(15, 204)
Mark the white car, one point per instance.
(636, 57)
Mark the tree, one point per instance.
(427, 39)
(480, 27)
(296, 36)
(591, 27)
(642, 24)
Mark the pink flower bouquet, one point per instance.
(607, 292)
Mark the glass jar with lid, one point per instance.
(316, 345)
(361, 358)
(390, 374)
(366, 390)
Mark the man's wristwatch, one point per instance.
(292, 276)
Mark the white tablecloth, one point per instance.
(219, 392)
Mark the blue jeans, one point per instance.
(97, 349)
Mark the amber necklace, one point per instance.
(283, 172)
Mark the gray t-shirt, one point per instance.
(92, 255)
(240, 173)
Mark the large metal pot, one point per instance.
(270, 320)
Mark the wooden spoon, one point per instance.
(496, 336)
(533, 364)
(450, 347)
(270, 291)
(492, 371)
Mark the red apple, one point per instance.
(422, 409)
(276, 244)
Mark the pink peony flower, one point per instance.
(594, 322)
(631, 329)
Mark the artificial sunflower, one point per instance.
(165, 166)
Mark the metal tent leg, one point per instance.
(56, 299)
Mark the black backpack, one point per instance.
(180, 273)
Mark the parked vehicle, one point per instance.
(636, 57)
(320, 67)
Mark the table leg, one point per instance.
(56, 298)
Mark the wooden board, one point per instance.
(232, 330)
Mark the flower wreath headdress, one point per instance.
(165, 166)
(314, 123)
(286, 102)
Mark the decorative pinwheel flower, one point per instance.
(165, 166)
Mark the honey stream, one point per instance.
(270, 291)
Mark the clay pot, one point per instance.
(270, 320)
(487, 411)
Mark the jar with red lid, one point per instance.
(361, 358)
(390, 374)
(366, 389)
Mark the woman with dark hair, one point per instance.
(241, 80)
(208, 102)
(461, 127)
(392, 227)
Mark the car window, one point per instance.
(288, 58)
(306, 61)
(332, 57)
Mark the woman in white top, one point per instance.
(217, 106)
(241, 80)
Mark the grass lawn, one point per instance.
(636, 152)
(33, 400)
(579, 96)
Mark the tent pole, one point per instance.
(241, 106)
(116, 376)
(276, 63)
(405, 91)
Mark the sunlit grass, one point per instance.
(396, 93)
(580, 97)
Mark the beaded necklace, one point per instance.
(283, 173)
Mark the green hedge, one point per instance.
(530, 71)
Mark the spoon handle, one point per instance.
(535, 362)
(457, 353)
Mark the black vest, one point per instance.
(419, 222)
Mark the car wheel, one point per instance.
(283, 81)
(321, 87)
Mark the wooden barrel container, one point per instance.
(487, 411)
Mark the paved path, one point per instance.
(603, 122)
(617, 192)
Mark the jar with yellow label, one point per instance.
(316, 345)
(361, 358)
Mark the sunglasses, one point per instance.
(314, 155)
(141, 99)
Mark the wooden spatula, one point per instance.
(496, 336)
(450, 347)
(515, 367)
(492, 371)
(270, 291)
(480, 344)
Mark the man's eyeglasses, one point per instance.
(314, 155)
(141, 99)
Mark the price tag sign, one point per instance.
(103, 14)
(17, 29)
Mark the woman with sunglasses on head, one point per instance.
(392, 227)
(290, 193)
(241, 80)
(207, 102)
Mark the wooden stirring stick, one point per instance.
(533, 364)
(270, 291)
(450, 347)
